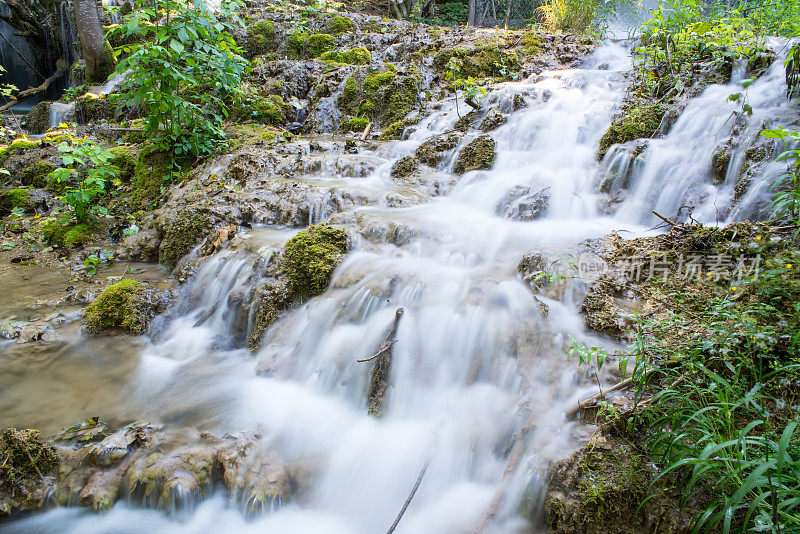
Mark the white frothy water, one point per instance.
(476, 367)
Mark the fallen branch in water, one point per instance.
(384, 348)
(27, 93)
(572, 412)
(517, 450)
(410, 495)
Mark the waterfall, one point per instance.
(477, 365)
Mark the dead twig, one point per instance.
(410, 496)
(385, 347)
(672, 223)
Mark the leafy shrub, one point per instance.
(89, 163)
(181, 73)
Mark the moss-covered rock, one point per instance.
(637, 122)
(152, 171)
(432, 151)
(304, 45)
(481, 62)
(249, 105)
(602, 488)
(310, 257)
(37, 121)
(350, 56)
(270, 300)
(720, 161)
(260, 38)
(124, 162)
(355, 124)
(93, 108)
(183, 232)
(339, 24)
(479, 154)
(17, 198)
(77, 235)
(493, 120)
(404, 167)
(26, 460)
(384, 96)
(118, 306)
(36, 175)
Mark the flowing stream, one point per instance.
(476, 362)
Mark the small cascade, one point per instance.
(61, 113)
(712, 165)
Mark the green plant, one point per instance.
(786, 200)
(181, 73)
(469, 85)
(88, 162)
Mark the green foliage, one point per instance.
(90, 164)
(724, 368)
(181, 73)
(117, 307)
(355, 124)
(786, 200)
(385, 97)
(471, 88)
(452, 14)
(310, 257)
(571, 15)
(481, 62)
(36, 175)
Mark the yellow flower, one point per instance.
(788, 265)
(734, 288)
(758, 238)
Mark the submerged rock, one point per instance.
(432, 152)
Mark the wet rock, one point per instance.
(479, 154)
(404, 167)
(29, 465)
(639, 121)
(37, 121)
(524, 205)
(432, 152)
(142, 245)
(493, 120)
(602, 312)
(601, 488)
(182, 231)
(720, 160)
(271, 298)
(310, 257)
(127, 305)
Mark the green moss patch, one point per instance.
(185, 230)
(260, 38)
(637, 122)
(482, 62)
(36, 175)
(17, 198)
(152, 171)
(118, 306)
(383, 96)
(25, 458)
(350, 56)
(249, 105)
(304, 45)
(37, 121)
(339, 24)
(310, 257)
(479, 154)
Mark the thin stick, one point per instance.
(385, 347)
(671, 223)
(581, 405)
(410, 496)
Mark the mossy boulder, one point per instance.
(182, 232)
(339, 24)
(124, 163)
(302, 45)
(260, 38)
(26, 460)
(355, 124)
(77, 235)
(37, 121)
(249, 105)
(479, 154)
(36, 175)
(350, 56)
(269, 301)
(118, 306)
(432, 151)
(310, 257)
(384, 96)
(58, 233)
(493, 120)
(17, 198)
(152, 171)
(481, 62)
(404, 167)
(720, 161)
(93, 108)
(640, 121)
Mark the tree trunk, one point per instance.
(96, 51)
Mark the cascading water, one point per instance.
(674, 176)
(478, 370)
